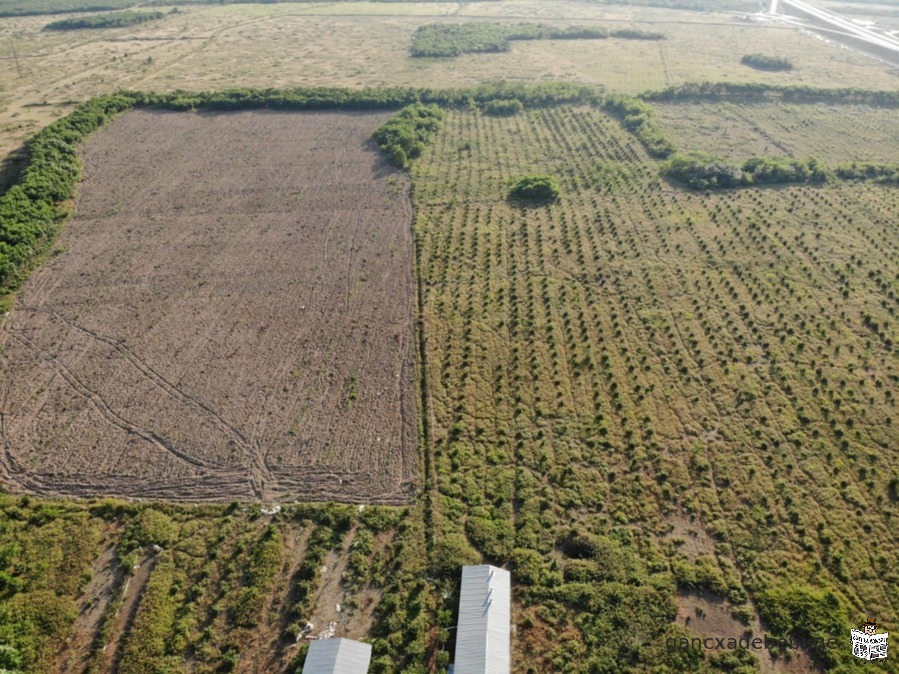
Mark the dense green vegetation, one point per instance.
(404, 136)
(114, 20)
(634, 34)
(764, 62)
(454, 39)
(30, 210)
(214, 570)
(881, 173)
(503, 107)
(735, 91)
(705, 172)
(535, 189)
(636, 117)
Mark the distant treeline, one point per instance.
(733, 91)
(763, 62)
(455, 39)
(115, 20)
(635, 34)
(38, 7)
(879, 173)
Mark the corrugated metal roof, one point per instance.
(482, 641)
(337, 656)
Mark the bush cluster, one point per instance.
(634, 34)
(636, 116)
(114, 20)
(404, 136)
(504, 107)
(535, 188)
(701, 171)
(880, 173)
(763, 62)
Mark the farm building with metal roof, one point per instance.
(483, 644)
(337, 656)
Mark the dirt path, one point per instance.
(124, 617)
(105, 583)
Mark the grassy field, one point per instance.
(832, 133)
(669, 412)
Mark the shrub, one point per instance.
(403, 137)
(762, 62)
(535, 188)
(451, 553)
(504, 107)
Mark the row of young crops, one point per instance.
(631, 352)
(214, 586)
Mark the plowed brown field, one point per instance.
(231, 316)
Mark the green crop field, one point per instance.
(670, 412)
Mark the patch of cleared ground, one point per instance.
(230, 316)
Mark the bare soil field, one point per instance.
(229, 316)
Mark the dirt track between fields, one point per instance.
(231, 317)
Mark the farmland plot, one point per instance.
(834, 134)
(230, 316)
(637, 357)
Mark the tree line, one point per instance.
(702, 171)
(748, 91)
(114, 20)
(455, 39)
